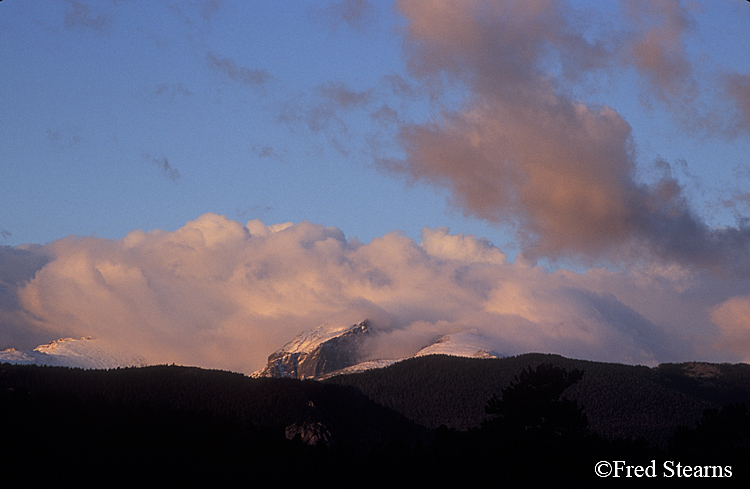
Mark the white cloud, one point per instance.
(220, 294)
(439, 243)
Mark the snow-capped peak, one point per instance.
(325, 351)
(307, 341)
(85, 352)
(317, 352)
(460, 344)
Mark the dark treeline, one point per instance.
(432, 419)
(181, 424)
(620, 401)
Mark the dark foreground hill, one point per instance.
(620, 401)
(184, 424)
(420, 421)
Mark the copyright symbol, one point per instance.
(603, 468)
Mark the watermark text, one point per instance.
(668, 469)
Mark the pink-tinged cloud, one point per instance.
(738, 89)
(732, 318)
(519, 150)
(220, 294)
(657, 48)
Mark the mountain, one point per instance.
(621, 401)
(325, 351)
(317, 352)
(86, 352)
(191, 425)
(461, 344)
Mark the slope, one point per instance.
(621, 401)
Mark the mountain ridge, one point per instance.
(425, 413)
(316, 352)
(85, 352)
(326, 351)
(621, 401)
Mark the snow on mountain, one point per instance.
(308, 341)
(460, 344)
(361, 367)
(317, 352)
(326, 351)
(86, 352)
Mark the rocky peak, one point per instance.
(315, 353)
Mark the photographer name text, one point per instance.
(669, 469)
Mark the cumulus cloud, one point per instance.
(521, 151)
(439, 243)
(18, 266)
(220, 294)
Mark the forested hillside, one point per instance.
(421, 421)
(181, 424)
(621, 401)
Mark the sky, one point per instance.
(199, 181)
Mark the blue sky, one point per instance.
(115, 119)
(577, 134)
(125, 115)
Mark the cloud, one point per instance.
(228, 67)
(17, 266)
(521, 151)
(220, 294)
(357, 14)
(264, 152)
(167, 169)
(170, 90)
(80, 15)
(329, 110)
(439, 243)
(732, 317)
(341, 95)
(63, 139)
(738, 89)
(657, 49)
(325, 108)
(210, 7)
(386, 115)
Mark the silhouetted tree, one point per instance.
(534, 430)
(535, 402)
